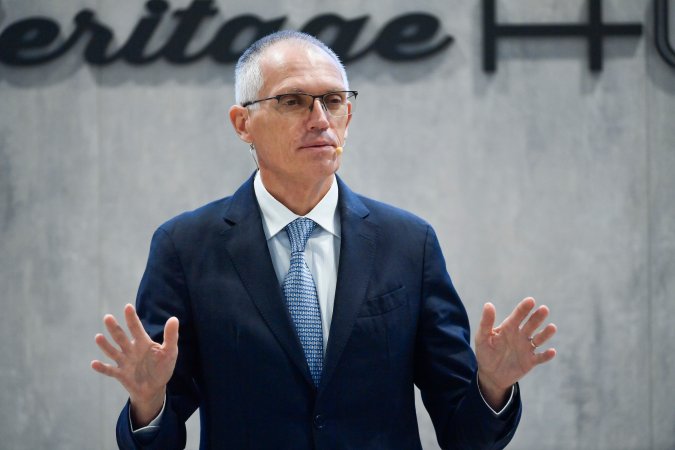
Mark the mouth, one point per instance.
(319, 146)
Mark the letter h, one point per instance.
(594, 31)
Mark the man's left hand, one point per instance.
(508, 352)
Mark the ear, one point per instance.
(349, 119)
(240, 121)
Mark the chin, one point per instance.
(328, 166)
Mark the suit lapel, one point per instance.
(357, 253)
(247, 247)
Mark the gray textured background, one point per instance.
(542, 179)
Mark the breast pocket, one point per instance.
(384, 303)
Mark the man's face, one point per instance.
(296, 147)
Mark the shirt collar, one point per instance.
(276, 216)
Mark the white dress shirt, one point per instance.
(322, 251)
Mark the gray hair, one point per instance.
(248, 78)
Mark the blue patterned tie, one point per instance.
(301, 297)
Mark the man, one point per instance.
(307, 312)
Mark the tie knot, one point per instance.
(298, 233)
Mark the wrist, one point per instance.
(144, 410)
(494, 394)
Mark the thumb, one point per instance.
(487, 321)
(171, 333)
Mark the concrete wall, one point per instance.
(541, 179)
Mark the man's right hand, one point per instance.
(144, 367)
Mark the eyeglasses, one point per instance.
(336, 103)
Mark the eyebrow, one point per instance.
(295, 90)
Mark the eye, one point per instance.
(290, 100)
(334, 100)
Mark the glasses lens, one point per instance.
(338, 103)
(290, 103)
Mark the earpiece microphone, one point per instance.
(339, 149)
(251, 149)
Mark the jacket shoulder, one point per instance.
(388, 215)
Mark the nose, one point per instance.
(318, 117)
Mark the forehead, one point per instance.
(297, 66)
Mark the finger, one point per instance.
(105, 369)
(544, 335)
(535, 320)
(134, 323)
(487, 320)
(117, 333)
(519, 313)
(110, 350)
(546, 356)
(171, 333)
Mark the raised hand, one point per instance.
(508, 352)
(144, 367)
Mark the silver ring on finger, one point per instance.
(534, 346)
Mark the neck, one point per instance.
(299, 196)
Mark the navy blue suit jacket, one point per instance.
(397, 320)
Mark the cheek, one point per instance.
(277, 143)
(271, 135)
(280, 130)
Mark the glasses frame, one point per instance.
(321, 97)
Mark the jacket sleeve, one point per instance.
(163, 293)
(445, 366)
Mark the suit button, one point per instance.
(319, 421)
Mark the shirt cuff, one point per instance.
(506, 406)
(152, 426)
